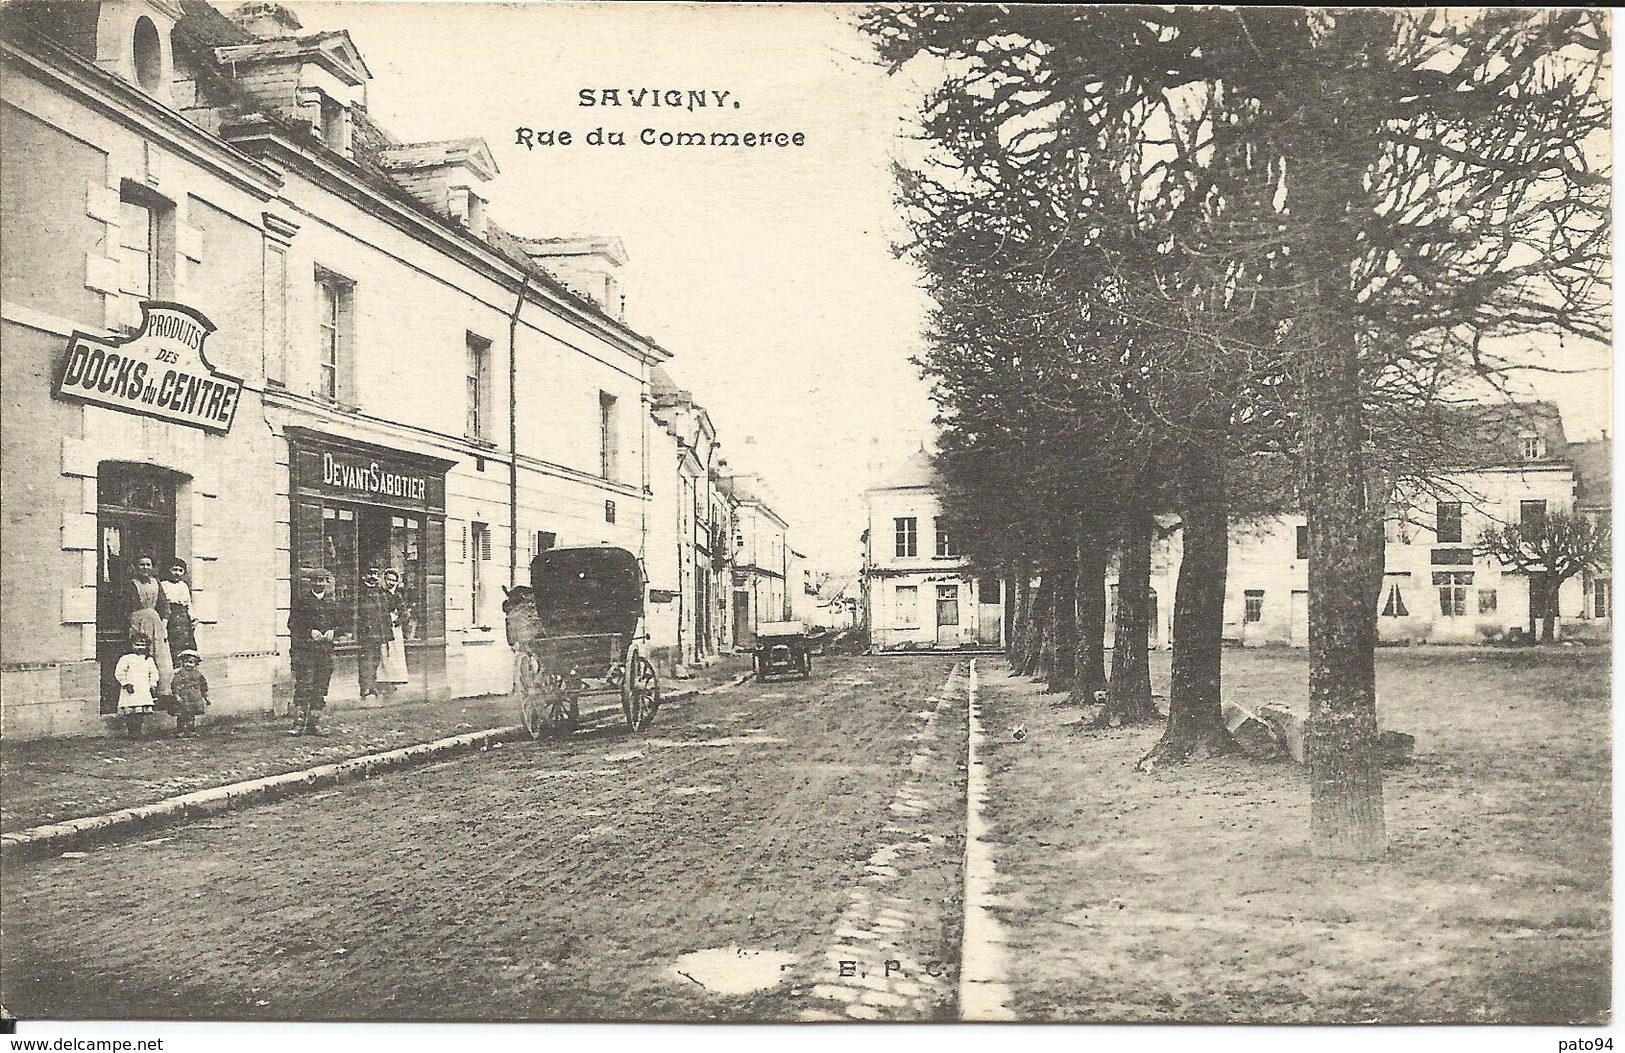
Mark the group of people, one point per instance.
(382, 611)
(163, 632)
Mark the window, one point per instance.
(1486, 601)
(1303, 542)
(149, 56)
(1531, 446)
(1452, 585)
(1602, 598)
(1395, 607)
(545, 539)
(608, 437)
(1254, 612)
(479, 543)
(991, 590)
(908, 606)
(945, 542)
(908, 541)
(609, 511)
(1452, 557)
(1532, 518)
(334, 303)
(1447, 522)
(146, 238)
(478, 384)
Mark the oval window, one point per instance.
(149, 55)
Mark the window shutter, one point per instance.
(485, 544)
(435, 578)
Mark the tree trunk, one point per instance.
(1548, 625)
(1331, 153)
(1534, 605)
(1017, 613)
(1038, 629)
(1128, 700)
(1195, 716)
(1089, 670)
(1064, 626)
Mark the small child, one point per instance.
(137, 675)
(191, 694)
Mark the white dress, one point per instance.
(392, 664)
(140, 672)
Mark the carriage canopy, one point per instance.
(578, 591)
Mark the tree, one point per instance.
(1549, 552)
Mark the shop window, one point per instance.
(1303, 542)
(908, 536)
(908, 606)
(608, 435)
(1253, 600)
(339, 555)
(478, 387)
(1486, 601)
(1395, 606)
(147, 241)
(1453, 586)
(347, 539)
(1447, 522)
(335, 300)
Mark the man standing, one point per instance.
(311, 627)
(371, 631)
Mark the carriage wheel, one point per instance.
(559, 706)
(640, 691)
(532, 710)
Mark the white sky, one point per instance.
(767, 272)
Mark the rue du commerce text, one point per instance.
(689, 99)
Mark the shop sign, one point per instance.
(367, 476)
(159, 372)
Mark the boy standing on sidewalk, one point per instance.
(311, 627)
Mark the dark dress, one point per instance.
(191, 692)
(312, 659)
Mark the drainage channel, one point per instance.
(984, 993)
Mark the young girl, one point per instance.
(191, 692)
(137, 675)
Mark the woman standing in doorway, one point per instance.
(392, 669)
(181, 625)
(149, 616)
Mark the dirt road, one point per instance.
(564, 880)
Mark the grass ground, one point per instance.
(1189, 895)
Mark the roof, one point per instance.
(918, 471)
(579, 245)
(472, 153)
(1593, 473)
(1489, 434)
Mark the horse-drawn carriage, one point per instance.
(578, 629)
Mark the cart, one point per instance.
(578, 630)
(782, 647)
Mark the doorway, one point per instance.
(947, 614)
(135, 517)
(741, 618)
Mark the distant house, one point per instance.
(1435, 587)
(918, 590)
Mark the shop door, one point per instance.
(947, 614)
(135, 517)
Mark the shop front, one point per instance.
(357, 506)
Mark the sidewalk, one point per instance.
(55, 780)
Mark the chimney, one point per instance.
(265, 20)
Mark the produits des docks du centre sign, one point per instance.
(158, 372)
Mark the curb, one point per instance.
(55, 837)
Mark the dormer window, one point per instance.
(148, 52)
(1531, 446)
(335, 124)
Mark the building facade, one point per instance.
(918, 590)
(247, 328)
